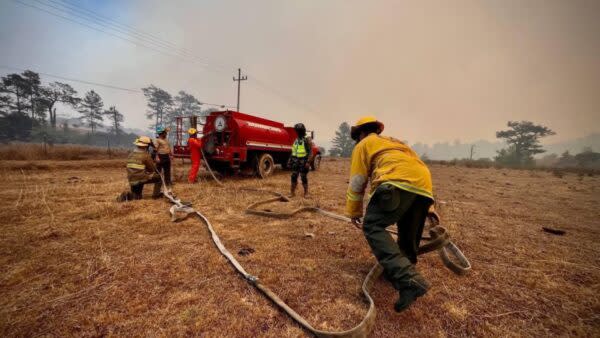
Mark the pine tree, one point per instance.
(54, 93)
(187, 105)
(91, 109)
(116, 119)
(342, 142)
(14, 85)
(160, 104)
(523, 139)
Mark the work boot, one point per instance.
(293, 189)
(156, 193)
(125, 196)
(305, 186)
(412, 289)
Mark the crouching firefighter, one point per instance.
(301, 159)
(401, 190)
(141, 169)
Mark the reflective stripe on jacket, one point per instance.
(384, 160)
(140, 167)
(299, 148)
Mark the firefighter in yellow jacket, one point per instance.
(401, 193)
(141, 169)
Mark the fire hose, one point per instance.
(438, 240)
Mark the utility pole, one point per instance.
(239, 81)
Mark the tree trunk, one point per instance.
(19, 108)
(32, 107)
(52, 116)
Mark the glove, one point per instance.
(307, 165)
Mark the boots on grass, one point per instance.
(410, 290)
(293, 189)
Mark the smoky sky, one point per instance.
(430, 70)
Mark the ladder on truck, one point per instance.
(182, 124)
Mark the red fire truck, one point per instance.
(235, 141)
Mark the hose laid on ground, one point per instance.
(438, 240)
(180, 210)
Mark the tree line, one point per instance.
(163, 108)
(28, 111)
(523, 143)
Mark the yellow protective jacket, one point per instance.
(140, 167)
(385, 160)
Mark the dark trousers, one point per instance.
(164, 166)
(391, 205)
(138, 189)
(299, 169)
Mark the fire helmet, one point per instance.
(361, 123)
(142, 141)
(300, 129)
(161, 129)
(192, 131)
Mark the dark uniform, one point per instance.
(300, 162)
(140, 171)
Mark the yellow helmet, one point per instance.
(192, 131)
(356, 128)
(142, 141)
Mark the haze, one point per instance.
(430, 70)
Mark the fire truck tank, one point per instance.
(241, 130)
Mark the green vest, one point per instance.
(299, 149)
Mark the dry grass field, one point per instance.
(74, 262)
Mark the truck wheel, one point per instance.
(265, 165)
(316, 163)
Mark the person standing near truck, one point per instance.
(195, 146)
(401, 189)
(163, 154)
(301, 159)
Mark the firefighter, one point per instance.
(195, 145)
(163, 154)
(301, 159)
(401, 190)
(141, 170)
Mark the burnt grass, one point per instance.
(74, 262)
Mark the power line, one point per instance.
(75, 80)
(142, 34)
(149, 41)
(143, 39)
(89, 13)
(136, 91)
(96, 19)
(137, 43)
